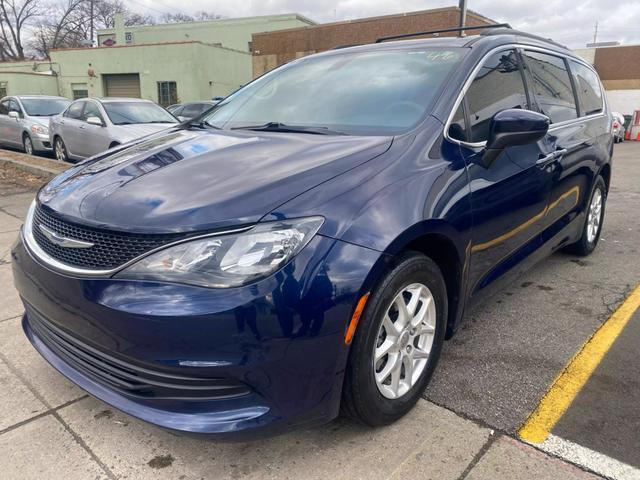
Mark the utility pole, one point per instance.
(463, 16)
(91, 21)
(595, 34)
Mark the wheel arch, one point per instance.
(446, 247)
(605, 173)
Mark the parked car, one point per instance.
(188, 111)
(92, 125)
(24, 121)
(618, 127)
(309, 245)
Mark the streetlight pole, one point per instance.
(463, 16)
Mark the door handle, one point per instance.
(82, 127)
(544, 160)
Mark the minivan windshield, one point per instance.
(44, 107)
(361, 93)
(127, 113)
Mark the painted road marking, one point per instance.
(571, 380)
(587, 458)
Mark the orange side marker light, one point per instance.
(351, 329)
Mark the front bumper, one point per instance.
(248, 361)
(41, 143)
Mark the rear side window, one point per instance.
(588, 87)
(74, 110)
(497, 86)
(551, 85)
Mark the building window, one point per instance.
(79, 90)
(128, 37)
(167, 93)
(4, 86)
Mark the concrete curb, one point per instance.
(44, 172)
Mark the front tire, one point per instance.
(594, 216)
(397, 343)
(27, 144)
(60, 150)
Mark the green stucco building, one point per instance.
(168, 64)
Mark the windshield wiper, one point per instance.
(283, 127)
(200, 124)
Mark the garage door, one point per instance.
(122, 85)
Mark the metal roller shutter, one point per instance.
(122, 85)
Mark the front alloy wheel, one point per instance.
(27, 145)
(397, 342)
(60, 150)
(404, 342)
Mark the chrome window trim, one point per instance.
(48, 261)
(512, 46)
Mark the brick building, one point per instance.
(271, 49)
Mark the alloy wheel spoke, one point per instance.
(388, 346)
(408, 370)
(396, 370)
(419, 354)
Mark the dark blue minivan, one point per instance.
(306, 247)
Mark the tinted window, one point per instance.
(381, 92)
(588, 87)
(91, 110)
(44, 107)
(497, 86)
(74, 110)
(195, 109)
(4, 107)
(551, 85)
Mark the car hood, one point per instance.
(126, 133)
(42, 121)
(194, 180)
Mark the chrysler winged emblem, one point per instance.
(61, 241)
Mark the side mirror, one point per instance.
(182, 119)
(95, 121)
(513, 127)
(14, 114)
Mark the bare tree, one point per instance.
(15, 15)
(67, 23)
(185, 17)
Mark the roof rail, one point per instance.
(498, 31)
(443, 30)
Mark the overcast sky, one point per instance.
(571, 22)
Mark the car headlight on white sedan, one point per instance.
(231, 260)
(39, 130)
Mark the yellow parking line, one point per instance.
(567, 385)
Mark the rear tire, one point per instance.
(368, 395)
(594, 217)
(27, 144)
(60, 150)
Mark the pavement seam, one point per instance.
(481, 453)
(84, 445)
(498, 433)
(56, 415)
(10, 318)
(41, 415)
(10, 214)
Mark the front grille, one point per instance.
(124, 377)
(111, 249)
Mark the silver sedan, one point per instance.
(24, 121)
(93, 125)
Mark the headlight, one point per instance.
(39, 129)
(225, 261)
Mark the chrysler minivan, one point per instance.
(307, 246)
